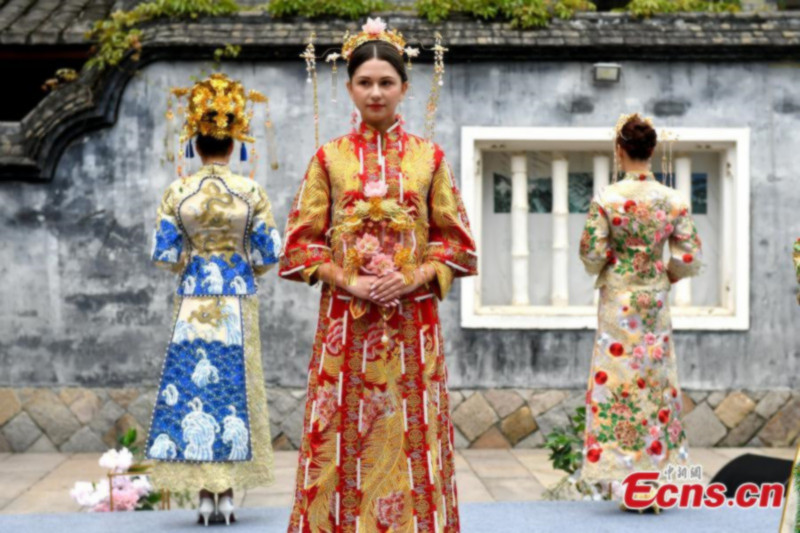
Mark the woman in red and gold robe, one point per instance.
(379, 221)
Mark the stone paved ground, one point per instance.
(40, 482)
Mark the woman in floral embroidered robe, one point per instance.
(210, 424)
(633, 400)
(377, 204)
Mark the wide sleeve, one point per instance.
(306, 246)
(595, 249)
(451, 248)
(265, 241)
(684, 247)
(168, 243)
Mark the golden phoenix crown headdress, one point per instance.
(373, 30)
(217, 107)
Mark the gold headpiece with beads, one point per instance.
(217, 107)
(375, 30)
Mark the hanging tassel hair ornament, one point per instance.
(332, 58)
(169, 132)
(436, 86)
(311, 68)
(411, 53)
(189, 149)
(180, 160)
(667, 141)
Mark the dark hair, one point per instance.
(638, 139)
(212, 147)
(377, 50)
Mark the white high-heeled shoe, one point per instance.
(225, 508)
(205, 509)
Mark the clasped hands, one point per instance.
(384, 290)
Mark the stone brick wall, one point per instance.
(90, 419)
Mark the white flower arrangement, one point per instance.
(125, 488)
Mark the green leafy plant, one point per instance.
(120, 33)
(649, 8)
(566, 444)
(521, 13)
(350, 9)
(566, 454)
(566, 9)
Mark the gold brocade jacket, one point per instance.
(373, 203)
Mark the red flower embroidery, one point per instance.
(663, 416)
(642, 177)
(616, 349)
(656, 448)
(594, 409)
(640, 382)
(333, 340)
(629, 206)
(674, 392)
(616, 221)
(625, 394)
(644, 422)
(593, 455)
(390, 510)
(327, 403)
(600, 378)
(688, 258)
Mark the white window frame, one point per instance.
(733, 314)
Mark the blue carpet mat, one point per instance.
(528, 517)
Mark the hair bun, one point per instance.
(638, 138)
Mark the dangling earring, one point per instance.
(355, 117)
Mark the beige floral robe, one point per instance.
(633, 401)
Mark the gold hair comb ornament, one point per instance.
(373, 30)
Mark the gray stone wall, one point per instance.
(82, 419)
(83, 306)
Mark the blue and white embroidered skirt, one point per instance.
(212, 387)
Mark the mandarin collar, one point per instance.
(218, 168)
(393, 134)
(640, 176)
